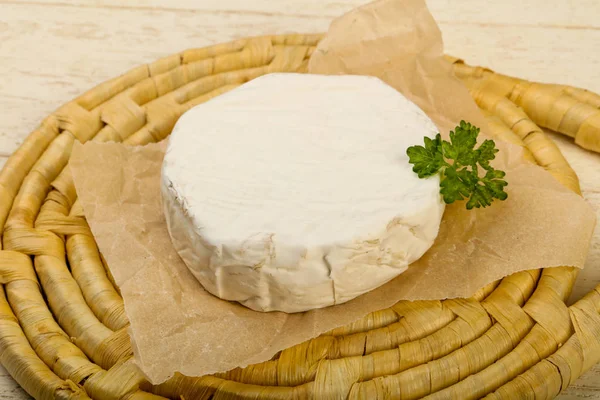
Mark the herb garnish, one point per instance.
(458, 162)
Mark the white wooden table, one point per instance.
(53, 50)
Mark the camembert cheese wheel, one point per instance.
(294, 192)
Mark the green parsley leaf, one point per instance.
(427, 160)
(455, 185)
(458, 162)
(461, 146)
(495, 184)
(486, 153)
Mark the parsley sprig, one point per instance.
(458, 162)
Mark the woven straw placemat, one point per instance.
(62, 322)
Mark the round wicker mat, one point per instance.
(62, 322)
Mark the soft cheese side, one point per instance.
(294, 192)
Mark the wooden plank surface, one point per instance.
(52, 50)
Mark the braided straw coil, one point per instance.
(62, 322)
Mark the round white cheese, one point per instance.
(294, 191)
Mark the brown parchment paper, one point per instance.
(178, 327)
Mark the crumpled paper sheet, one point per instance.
(176, 326)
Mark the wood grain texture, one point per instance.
(52, 50)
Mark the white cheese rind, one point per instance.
(294, 192)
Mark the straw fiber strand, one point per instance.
(63, 329)
(571, 111)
